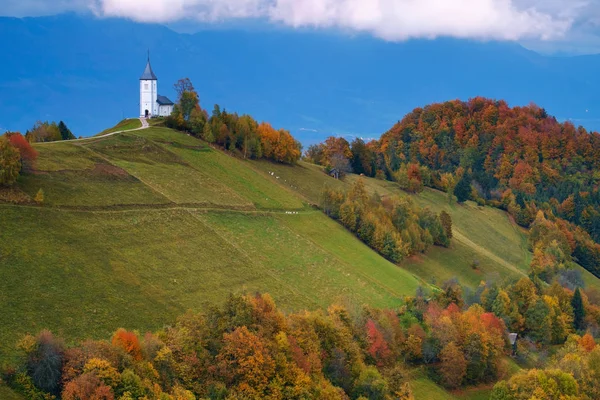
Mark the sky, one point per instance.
(548, 26)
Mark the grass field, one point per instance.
(137, 228)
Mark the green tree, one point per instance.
(371, 384)
(10, 162)
(187, 97)
(446, 220)
(65, 132)
(537, 322)
(578, 311)
(207, 133)
(462, 190)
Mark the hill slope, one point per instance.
(139, 227)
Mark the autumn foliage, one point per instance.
(128, 341)
(248, 349)
(241, 135)
(28, 153)
(519, 159)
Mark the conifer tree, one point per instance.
(462, 191)
(65, 132)
(578, 310)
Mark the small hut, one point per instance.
(512, 338)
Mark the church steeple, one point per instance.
(148, 74)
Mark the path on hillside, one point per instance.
(145, 125)
(456, 234)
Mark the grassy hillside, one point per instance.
(137, 228)
(126, 124)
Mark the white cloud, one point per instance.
(387, 19)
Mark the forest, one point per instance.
(518, 159)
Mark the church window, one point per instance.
(145, 86)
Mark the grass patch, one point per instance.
(8, 394)
(306, 179)
(84, 274)
(125, 125)
(245, 181)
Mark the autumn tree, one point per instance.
(453, 366)
(10, 162)
(44, 132)
(27, 152)
(89, 387)
(245, 362)
(128, 341)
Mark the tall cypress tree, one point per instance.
(578, 310)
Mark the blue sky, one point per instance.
(547, 26)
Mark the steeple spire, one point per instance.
(148, 74)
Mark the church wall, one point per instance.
(148, 96)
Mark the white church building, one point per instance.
(151, 103)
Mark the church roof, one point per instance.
(164, 101)
(148, 74)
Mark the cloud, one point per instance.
(388, 19)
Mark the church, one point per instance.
(151, 103)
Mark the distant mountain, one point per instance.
(85, 71)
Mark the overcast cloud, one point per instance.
(543, 20)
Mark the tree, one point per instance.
(244, 361)
(183, 85)
(87, 386)
(44, 362)
(28, 153)
(578, 311)
(453, 366)
(39, 197)
(462, 190)
(65, 132)
(44, 132)
(187, 97)
(207, 133)
(128, 341)
(371, 384)
(10, 163)
(446, 221)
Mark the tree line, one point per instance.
(394, 227)
(518, 159)
(248, 349)
(242, 135)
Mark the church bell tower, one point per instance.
(148, 92)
